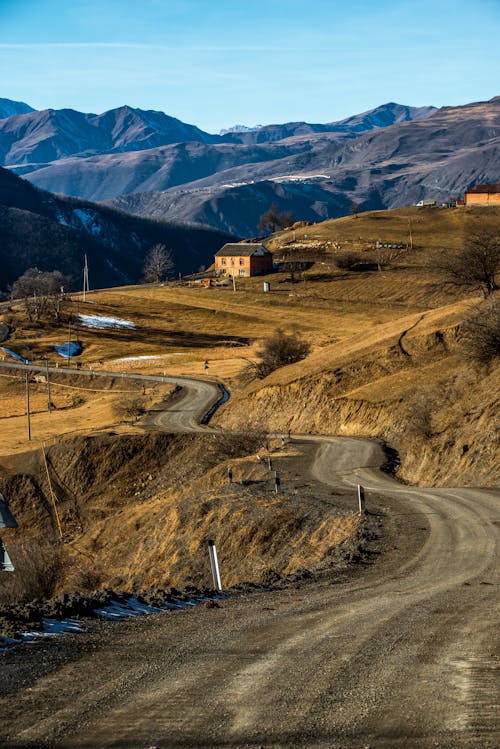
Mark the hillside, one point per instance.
(386, 361)
(50, 232)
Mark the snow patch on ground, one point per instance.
(88, 220)
(101, 321)
(136, 358)
(121, 607)
(18, 357)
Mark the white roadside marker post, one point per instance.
(229, 475)
(214, 564)
(7, 520)
(361, 500)
(5, 561)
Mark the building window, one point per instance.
(232, 261)
(242, 271)
(242, 262)
(223, 261)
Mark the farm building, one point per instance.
(483, 195)
(243, 259)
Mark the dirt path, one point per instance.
(404, 653)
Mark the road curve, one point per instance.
(404, 654)
(196, 399)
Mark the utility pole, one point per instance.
(410, 234)
(69, 343)
(49, 405)
(28, 405)
(85, 279)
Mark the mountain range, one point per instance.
(317, 176)
(38, 229)
(150, 164)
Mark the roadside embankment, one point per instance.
(411, 388)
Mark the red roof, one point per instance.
(485, 188)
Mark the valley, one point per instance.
(249, 375)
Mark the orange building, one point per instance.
(243, 259)
(483, 195)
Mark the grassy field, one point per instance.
(178, 328)
(427, 228)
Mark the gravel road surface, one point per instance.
(401, 653)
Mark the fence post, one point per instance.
(229, 475)
(214, 564)
(361, 500)
(277, 481)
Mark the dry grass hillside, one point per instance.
(405, 379)
(136, 511)
(386, 361)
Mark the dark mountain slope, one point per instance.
(40, 229)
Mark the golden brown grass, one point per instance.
(80, 406)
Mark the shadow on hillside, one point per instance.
(161, 337)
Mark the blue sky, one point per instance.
(215, 63)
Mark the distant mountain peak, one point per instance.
(240, 129)
(8, 108)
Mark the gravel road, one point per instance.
(401, 653)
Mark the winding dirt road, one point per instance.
(403, 653)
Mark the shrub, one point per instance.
(419, 414)
(129, 408)
(278, 351)
(347, 260)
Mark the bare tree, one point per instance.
(42, 291)
(385, 256)
(158, 264)
(477, 265)
(273, 220)
(481, 332)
